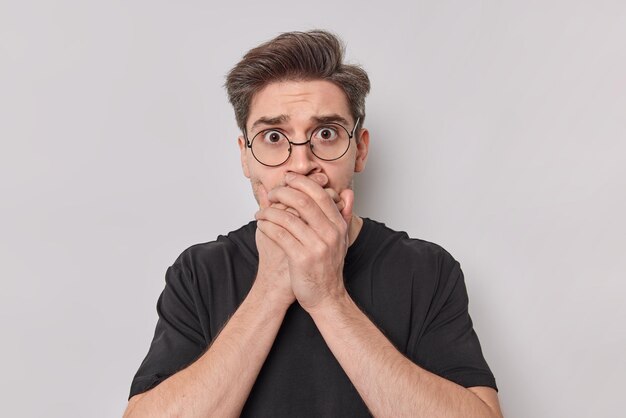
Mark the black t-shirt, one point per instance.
(412, 290)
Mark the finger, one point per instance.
(291, 246)
(304, 204)
(319, 178)
(276, 234)
(293, 211)
(289, 222)
(317, 194)
(347, 196)
(284, 207)
(312, 217)
(265, 203)
(322, 180)
(340, 205)
(336, 198)
(333, 194)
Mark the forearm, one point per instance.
(219, 382)
(389, 383)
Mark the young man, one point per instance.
(310, 310)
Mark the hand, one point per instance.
(322, 180)
(315, 242)
(273, 271)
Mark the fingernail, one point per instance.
(290, 176)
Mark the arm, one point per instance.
(389, 383)
(219, 382)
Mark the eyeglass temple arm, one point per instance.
(355, 125)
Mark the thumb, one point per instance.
(347, 196)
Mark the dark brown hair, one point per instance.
(313, 55)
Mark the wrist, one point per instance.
(264, 294)
(331, 305)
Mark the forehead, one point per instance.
(299, 100)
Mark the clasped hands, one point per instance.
(302, 239)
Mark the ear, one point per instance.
(243, 150)
(362, 148)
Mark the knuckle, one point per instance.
(293, 212)
(290, 219)
(303, 202)
(320, 249)
(337, 237)
(282, 234)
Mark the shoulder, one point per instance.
(414, 251)
(239, 244)
(411, 263)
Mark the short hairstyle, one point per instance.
(295, 56)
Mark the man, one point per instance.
(310, 310)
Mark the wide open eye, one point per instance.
(272, 137)
(325, 134)
(270, 147)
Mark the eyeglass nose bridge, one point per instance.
(298, 143)
(291, 144)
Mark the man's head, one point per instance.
(296, 56)
(296, 88)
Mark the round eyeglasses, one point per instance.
(328, 142)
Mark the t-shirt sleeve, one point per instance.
(449, 346)
(178, 338)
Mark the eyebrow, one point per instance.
(334, 118)
(273, 120)
(280, 119)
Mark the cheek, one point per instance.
(255, 189)
(340, 179)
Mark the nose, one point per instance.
(302, 160)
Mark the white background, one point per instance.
(498, 131)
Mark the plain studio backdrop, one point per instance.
(498, 131)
